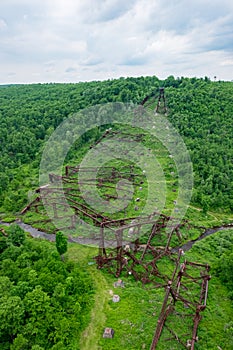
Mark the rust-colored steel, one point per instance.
(182, 279)
(125, 253)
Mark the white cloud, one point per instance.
(100, 39)
(3, 24)
(227, 62)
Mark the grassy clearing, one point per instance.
(90, 336)
(83, 255)
(219, 312)
(134, 318)
(196, 217)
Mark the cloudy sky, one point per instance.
(83, 40)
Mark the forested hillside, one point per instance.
(46, 301)
(200, 109)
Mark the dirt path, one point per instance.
(91, 335)
(95, 242)
(198, 209)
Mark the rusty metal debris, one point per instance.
(161, 106)
(138, 245)
(185, 299)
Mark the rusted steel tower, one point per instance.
(161, 104)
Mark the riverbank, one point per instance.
(35, 233)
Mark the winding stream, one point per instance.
(209, 231)
(51, 237)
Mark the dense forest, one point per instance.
(44, 302)
(201, 110)
(55, 298)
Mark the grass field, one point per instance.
(134, 318)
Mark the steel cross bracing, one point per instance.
(185, 299)
(161, 106)
(137, 247)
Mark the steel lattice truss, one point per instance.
(186, 287)
(185, 299)
(139, 245)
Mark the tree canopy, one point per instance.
(44, 303)
(200, 109)
(61, 243)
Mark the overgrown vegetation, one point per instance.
(44, 303)
(134, 318)
(216, 326)
(199, 108)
